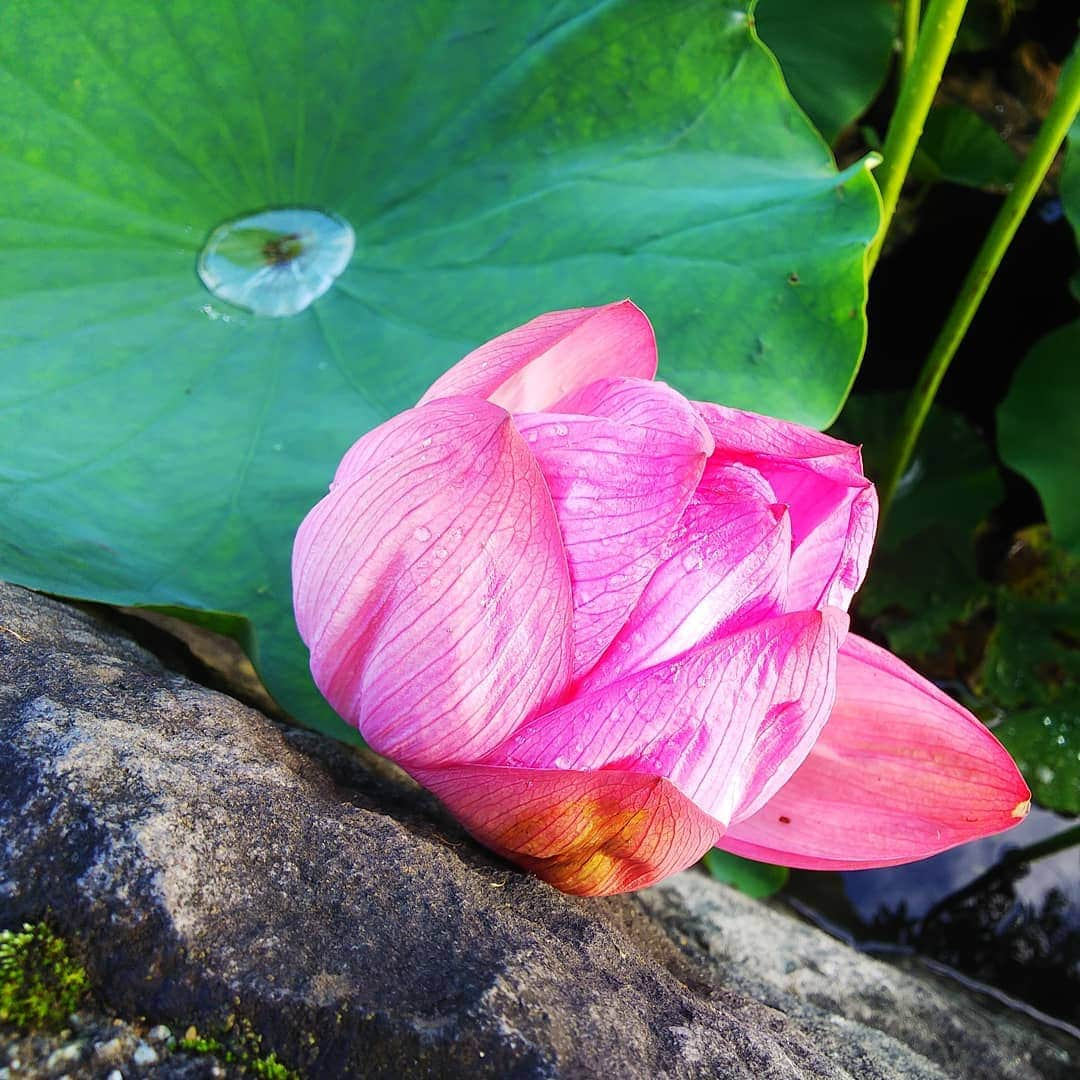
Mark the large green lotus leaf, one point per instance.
(1039, 429)
(495, 161)
(835, 54)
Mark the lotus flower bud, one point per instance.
(607, 625)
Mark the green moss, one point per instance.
(239, 1045)
(269, 1068)
(40, 984)
(199, 1045)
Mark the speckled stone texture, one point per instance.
(208, 863)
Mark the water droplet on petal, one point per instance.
(276, 262)
(439, 553)
(423, 534)
(426, 442)
(691, 562)
(561, 430)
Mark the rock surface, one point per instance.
(210, 866)
(853, 1004)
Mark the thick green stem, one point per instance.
(1006, 869)
(916, 96)
(1029, 178)
(1061, 841)
(909, 34)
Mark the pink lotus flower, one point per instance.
(607, 626)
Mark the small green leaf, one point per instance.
(923, 583)
(959, 145)
(1033, 655)
(1039, 428)
(1046, 745)
(1031, 669)
(835, 57)
(756, 879)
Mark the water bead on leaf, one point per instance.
(276, 262)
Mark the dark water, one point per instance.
(1008, 922)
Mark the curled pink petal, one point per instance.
(727, 723)
(900, 772)
(724, 565)
(431, 585)
(586, 833)
(833, 506)
(619, 488)
(533, 366)
(829, 564)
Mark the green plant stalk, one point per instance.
(917, 91)
(909, 34)
(1007, 869)
(1029, 178)
(1061, 841)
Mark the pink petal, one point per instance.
(900, 772)
(583, 832)
(619, 489)
(725, 565)
(833, 506)
(829, 564)
(530, 368)
(431, 584)
(727, 724)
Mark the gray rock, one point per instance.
(854, 1005)
(212, 867)
(144, 1055)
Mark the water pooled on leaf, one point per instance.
(276, 262)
